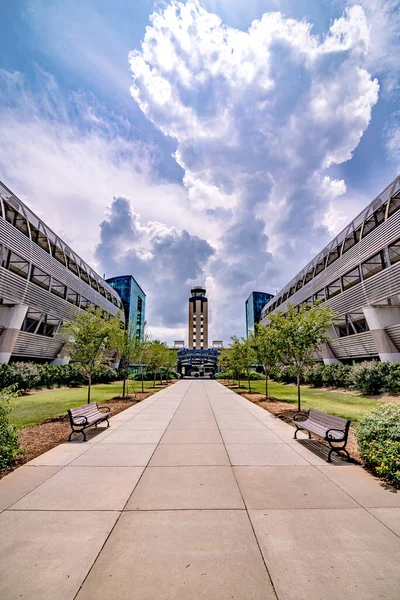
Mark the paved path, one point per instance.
(196, 493)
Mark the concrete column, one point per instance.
(327, 355)
(11, 318)
(62, 357)
(190, 337)
(205, 325)
(378, 318)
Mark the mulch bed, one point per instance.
(36, 440)
(286, 412)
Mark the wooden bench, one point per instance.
(85, 416)
(333, 430)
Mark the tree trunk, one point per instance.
(141, 368)
(266, 384)
(298, 392)
(155, 374)
(239, 381)
(89, 390)
(123, 387)
(248, 381)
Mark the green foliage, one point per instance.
(253, 375)
(9, 447)
(25, 376)
(369, 377)
(92, 340)
(378, 437)
(319, 375)
(392, 383)
(299, 334)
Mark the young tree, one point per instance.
(155, 356)
(225, 361)
(300, 332)
(245, 356)
(265, 343)
(91, 340)
(129, 351)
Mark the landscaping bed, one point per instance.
(286, 412)
(40, 438)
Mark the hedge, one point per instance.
(368, 377)
(378, 437)
(24, 376)
(9, 446)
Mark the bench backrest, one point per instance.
(328, 421)
(88, 410)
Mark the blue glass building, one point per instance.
(254, 305)
(133, 300)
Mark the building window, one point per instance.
(58, 254)
(351, 278)
(108, 296)
(21, 224)
(85, 277)
(58, 288)
(73, 297)
(373, 265)
(72, 266)
(40, 278)
(319, 296)
(39, 238)
(334, 288)
(85, 303)
(308, 277)
(319, 267)
(394, 252)
(102, 291)
(394, 205)
(10, 213)
(332, 256)
(358, 322)
(17, 265)
(373, 221)
(31, 321)
(48, 326)
(93, 283)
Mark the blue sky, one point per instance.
(225, 144)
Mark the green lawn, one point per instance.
(348, 406)
(38, 407)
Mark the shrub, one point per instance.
(313, 375)
(8, 434)
(336, 375)
(393, 378)
(369, 377)
(378, 437)
(104, 374)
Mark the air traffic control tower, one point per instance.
(198, 319)
(198, 360)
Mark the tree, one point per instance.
(155, 356)
(265, 343)
(129, 350)
(91, 340)
(244, 356)
(300, 332)
(225, 361)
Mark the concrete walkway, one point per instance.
(196, 493)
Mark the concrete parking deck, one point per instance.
(196, 493)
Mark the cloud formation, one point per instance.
(165, 258)
(259, 117)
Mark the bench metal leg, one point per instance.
(77, 431)
(338, 450)
(301, 429)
